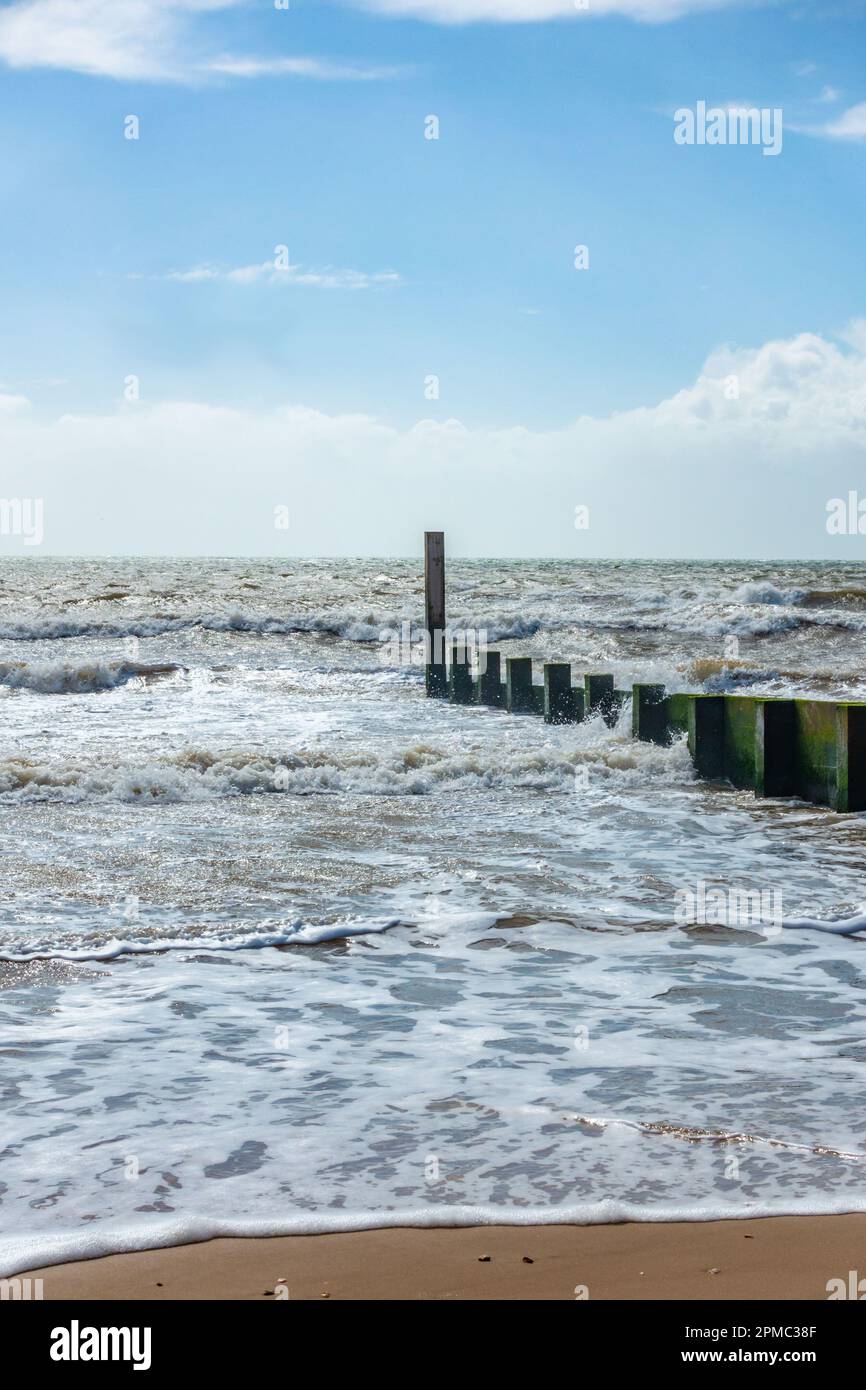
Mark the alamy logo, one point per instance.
(854, 1289)
(20, 1290)
(77, 1343)
(846, 516)
(711, 905)
(22, 516)
(729, 125)
(405, 648)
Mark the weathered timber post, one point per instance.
(649, 714)
(435, 674)
(598, 692)
(817, 747)
(740, 716)
(850, 793)
(461, 688)
(562, 703)
(775, 748)
(707, 735)
(489, 689)
(677, 714)
(519, 696)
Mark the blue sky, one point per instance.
(410, 257)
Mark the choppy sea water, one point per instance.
(286, 946)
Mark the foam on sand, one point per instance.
(18, 1255)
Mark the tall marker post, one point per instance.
(436, 675)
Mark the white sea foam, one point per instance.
(841, 926)
(297, 934)
(18, 1255)
(265, 1057)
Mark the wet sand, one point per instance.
(769, 1258)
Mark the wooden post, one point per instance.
(677, 714)
(740, 720)
(818, 751)
(562, 704)
(648, 714)
(488, 683)
(707, 735)
(461, 690)
(436, 676)
(519, 696)
(850, 790)
(775, 748)
(599, 696)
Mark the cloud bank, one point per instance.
(144, 40)
(529, 11)
(168, 40)
(740, 463)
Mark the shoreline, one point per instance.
(750, 1258)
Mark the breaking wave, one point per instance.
(419, 770)
(351, 626)
(62, 678)
(752, 610)
(849, 596)
(762, 592)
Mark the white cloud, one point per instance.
(267, 271)
(851, 125)
(802, 389)
(741, 462)
(167, 40)
(141, 40)
(528, 11)
(12, 402)
(134, 39)
(299, 67)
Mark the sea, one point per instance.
(286, 946)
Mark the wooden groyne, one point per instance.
(811, 749)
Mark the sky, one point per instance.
(285, 321)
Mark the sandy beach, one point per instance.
(771, 1258)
